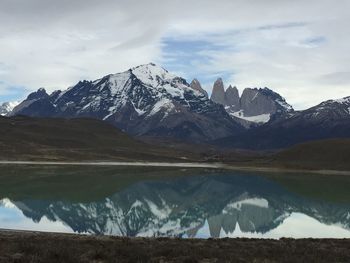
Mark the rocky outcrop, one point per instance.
(252, 103)
(218, 94)
(232, 98)
(195, 84)
(255, 106)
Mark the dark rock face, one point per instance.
(195, 84)
(232, 98)
(37, 104)
(262, 101)
(143, 101)
(261, 104)
(39, 94)
(330, 119)
(218, 94)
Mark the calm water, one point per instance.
(200, 203)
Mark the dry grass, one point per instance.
(49, 247)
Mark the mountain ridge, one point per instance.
(145, 100)
(327, 120)
(148, 101)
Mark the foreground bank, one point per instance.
(19, 246)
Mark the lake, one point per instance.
(173, 202)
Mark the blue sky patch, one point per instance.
(11, 92)
(190, 57)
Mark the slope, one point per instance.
(25, 138)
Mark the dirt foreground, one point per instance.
(21, 246)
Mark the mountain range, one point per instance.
(142, 101)
(329, 119)
(149, 102)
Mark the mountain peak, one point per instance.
(196, 85)
(232, 98)
(40, 93)
(148, 65)
(234, 88)
(150, 74)
(150, 68)
(218, 94)
(219, 81)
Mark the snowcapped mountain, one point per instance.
(146, 100)
(7, 107)
(334, 109)
(150, 101)
(255, 106)
(329, 119)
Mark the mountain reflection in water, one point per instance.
(201, 204)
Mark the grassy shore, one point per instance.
(21, 246)
(89, 140)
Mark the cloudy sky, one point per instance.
(298, 48)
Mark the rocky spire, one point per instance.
(218, 94)
(232, 98)
(256, 102)
(195, 84)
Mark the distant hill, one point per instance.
(79, 139)
(26, 138)
(331, 154)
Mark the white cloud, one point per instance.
(298, 48)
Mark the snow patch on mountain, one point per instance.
(118, 82)
(285, 105)
(151, 74)
(162, 104)
(345, 100)
(7, 107)
(260, 119)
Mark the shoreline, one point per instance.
(181, 165)
(30, 246)
(116, 163)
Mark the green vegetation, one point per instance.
(24, 138)
(53, 139)
(326, 154)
